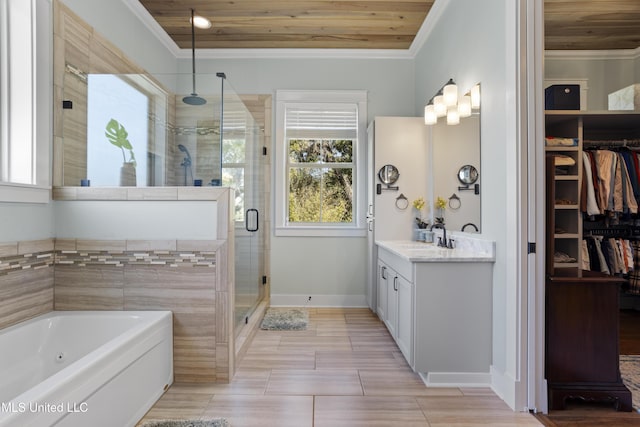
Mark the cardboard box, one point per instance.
(627, 98)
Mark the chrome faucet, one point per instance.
(442, 241)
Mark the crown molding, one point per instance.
(436, 11)
(593, 54)
(143, 14)
(297, 54)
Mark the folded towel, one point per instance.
(555, 141)
(561, 160)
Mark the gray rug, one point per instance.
(217, 422)
(630, 372)
(285, 319)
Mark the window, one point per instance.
(25, 125)
(320, 155)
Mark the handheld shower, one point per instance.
(186, 163)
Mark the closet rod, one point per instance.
(612, 142)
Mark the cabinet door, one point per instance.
(404, 330)
(392, 303)
(383, 284)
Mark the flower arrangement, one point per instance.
(418, 204)
(440, 205)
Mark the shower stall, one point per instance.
(138, 130)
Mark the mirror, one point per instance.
(388, 174)
(455, 151)
(467, 175)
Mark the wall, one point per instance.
(296, 262)
(110, 18)
(605, 74)
(476, 42)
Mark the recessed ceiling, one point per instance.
(355, 24)
(376, 24)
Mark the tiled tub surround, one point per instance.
(177, 275)
(26, 280)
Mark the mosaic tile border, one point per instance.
(17, 263)
(41, 254)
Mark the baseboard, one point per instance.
(456, 379)
(344, 301)
(504, 386)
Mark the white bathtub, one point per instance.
(92, 368)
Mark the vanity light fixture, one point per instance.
(447, 103)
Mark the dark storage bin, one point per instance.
(562, 97)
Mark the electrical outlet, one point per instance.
(309, 299)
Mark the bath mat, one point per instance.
(217, 422)
(285, 319)
(630, 372)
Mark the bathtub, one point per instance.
(91, 368)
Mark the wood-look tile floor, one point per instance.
(344, 370)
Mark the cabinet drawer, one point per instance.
(402, 266)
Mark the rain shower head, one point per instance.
(193, 99)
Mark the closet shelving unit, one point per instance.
(581, 308)
(565, 220)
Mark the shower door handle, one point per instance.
(253, 213)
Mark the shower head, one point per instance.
(185, 151)
(194, 99)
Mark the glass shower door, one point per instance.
(243, 171)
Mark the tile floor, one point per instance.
(344, 370)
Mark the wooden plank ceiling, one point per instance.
(376, 24)
(359, 24)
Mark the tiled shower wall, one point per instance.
(181, 276)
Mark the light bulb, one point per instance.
(475, 97)
(464, 106)
(430, 117)
(450, 93)
(439, 106)
(453, 118)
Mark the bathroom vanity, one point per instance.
(437, 304)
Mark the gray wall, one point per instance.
(475, 42)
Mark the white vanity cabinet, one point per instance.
(437, 305)
(396, 300)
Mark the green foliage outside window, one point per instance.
(320, 181)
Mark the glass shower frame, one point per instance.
(137, 131)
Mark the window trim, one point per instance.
(41, 72)
(281, 227)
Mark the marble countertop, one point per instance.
(466, 250)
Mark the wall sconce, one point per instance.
(446, 103)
